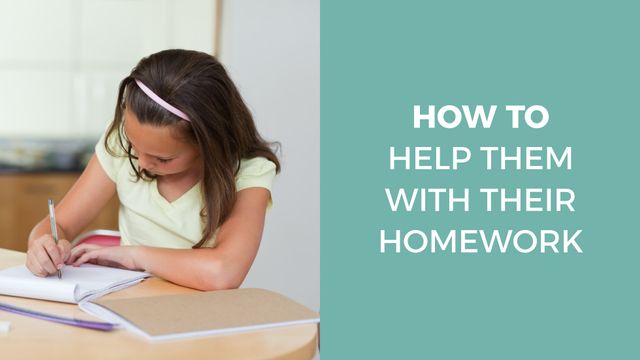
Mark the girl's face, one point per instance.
(158, 150)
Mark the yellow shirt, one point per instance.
(147, 218)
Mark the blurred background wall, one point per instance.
(272, 50)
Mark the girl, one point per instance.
(192, 174)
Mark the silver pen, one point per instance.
(54, 231)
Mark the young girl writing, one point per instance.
(192, 174)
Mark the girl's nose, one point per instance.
(145, 162)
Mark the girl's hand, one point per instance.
(44, 257)
(114, 256)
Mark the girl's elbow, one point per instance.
(220, 277)
(219, 284)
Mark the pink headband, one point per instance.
(161, 102)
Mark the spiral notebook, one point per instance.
(181, 316)
(77, 284)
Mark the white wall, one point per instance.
(61, 60)
(272, 52)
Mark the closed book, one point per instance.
(189, 315)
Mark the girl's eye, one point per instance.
(163, 161)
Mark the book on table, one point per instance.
(181, 316)
(77, 284)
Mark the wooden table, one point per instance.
(31, 338)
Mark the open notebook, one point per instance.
(77, 283)
(180, 316)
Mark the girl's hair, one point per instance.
(220, 123)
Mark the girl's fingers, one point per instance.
(77, 251)
(65, 249)
(95, 255)
(54, 253)
(35, 267)
(86, 257)
(45, 257)
(42, 257)
(75, 254)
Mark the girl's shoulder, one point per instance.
(111, 155)
(256, 165)
(255, 172)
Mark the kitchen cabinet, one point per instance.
(23, 202)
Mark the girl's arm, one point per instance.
(222, 267)
(82, 203)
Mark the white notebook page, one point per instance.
(77, 283)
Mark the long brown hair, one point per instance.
(221, 125)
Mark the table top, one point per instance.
(30, 338)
